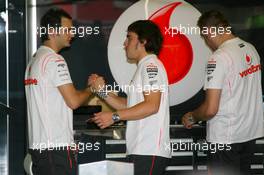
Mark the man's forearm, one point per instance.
(115, 101)
(83, 95)
(198, 113)
(202, 113)
(72, 97)
(139, 111)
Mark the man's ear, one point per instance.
(51, 33)
(143, 42)
(213, 32)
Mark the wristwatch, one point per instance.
(115, 117)
(191, 119)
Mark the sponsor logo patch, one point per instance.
(209, 78)
(31, 81)
(210, 68)
(248, 60)
(62, 65)
(241, 45)
(63, 75)
(152, 70)
(252, 69)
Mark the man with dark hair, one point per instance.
(153, 38)
(51, 97)
(52, 20)
(233, 99)
(147, 107)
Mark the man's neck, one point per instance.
(51, 45)
(143, 55)
(225, 38)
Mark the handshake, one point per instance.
(96, 84)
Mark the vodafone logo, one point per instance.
(177, 66)
(248, 60)
(184, 55)
(251, 68)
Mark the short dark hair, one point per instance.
(148, 31)
(52, 18)
(212, 18)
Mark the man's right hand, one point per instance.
(187, 120)
(96, 82)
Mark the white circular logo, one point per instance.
(184, 53)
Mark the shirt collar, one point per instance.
(146, 58)
(47, 48)
(228, 42)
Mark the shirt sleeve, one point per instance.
(215, 73)
(151, 77)
(58, 71)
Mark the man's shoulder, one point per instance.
(47, 56)
(152, 60)
(46, 52)
(222, 53)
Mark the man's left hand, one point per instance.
(188, 120)
(103, 119)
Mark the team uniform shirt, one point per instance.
(235, 69)
(150, 135)
(49, 118)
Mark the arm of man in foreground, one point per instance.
(149, 106)
(72, 97)
(98, 84)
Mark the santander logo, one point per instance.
(184, 55)
(31, 81)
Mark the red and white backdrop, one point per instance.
(183, 54)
